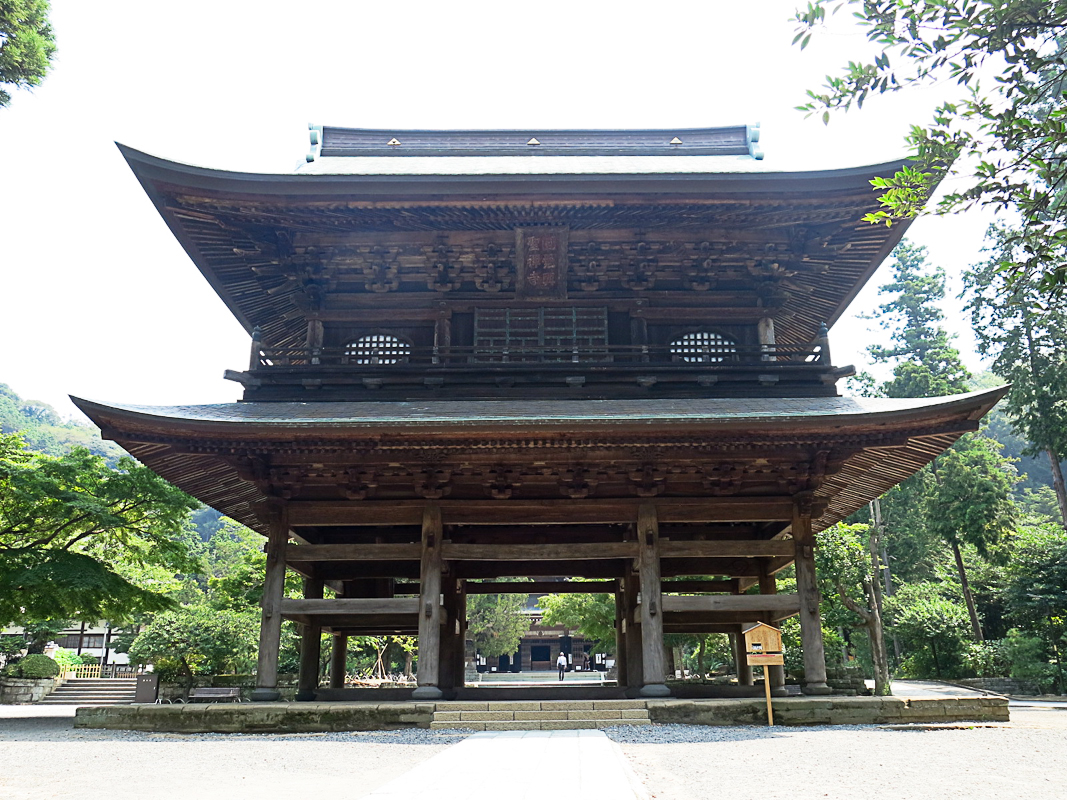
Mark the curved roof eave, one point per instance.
(817, 414)
(149, 168)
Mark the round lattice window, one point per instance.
(703, 347)
(378, 348)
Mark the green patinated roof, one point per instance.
(543, 413)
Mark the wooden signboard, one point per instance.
(763, 644)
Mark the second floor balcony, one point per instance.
(385, 367)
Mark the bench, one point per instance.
(213, 695)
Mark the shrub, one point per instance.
(989, 659)
(67, 659)
(34, 665)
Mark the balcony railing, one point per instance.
(402, 356)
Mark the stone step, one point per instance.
(507, 716)
(77, 701)
(541, 705)
(537, 725)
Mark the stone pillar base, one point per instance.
(654, 690)
(427, 693)
(816, 688)
(265, 695)
(305, 696)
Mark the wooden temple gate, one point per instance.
(612, 365)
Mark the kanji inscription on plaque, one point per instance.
(542, 267)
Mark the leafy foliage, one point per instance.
(70, 526)
(591, 615)
(497, 622)
(26, 44)
(927, 365)
(197, 640)
(45, 432)
(32, 666)
(1007, 135)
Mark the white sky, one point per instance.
(97, 299)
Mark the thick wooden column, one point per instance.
(270, 627)
(654, 677)
(429, 671)
(338, 659)
(632, 635)
(808, 589)
(459, 653)
(310, 647)
(741, 667)
(450, 640)
(775, 673)
(621, 672)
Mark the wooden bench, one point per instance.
(214, 695)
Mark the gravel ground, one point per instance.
(46, 758)
(1025, 758)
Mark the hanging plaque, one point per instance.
(542, 263)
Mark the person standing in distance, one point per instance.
(561, 664)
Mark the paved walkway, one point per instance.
(581, 763)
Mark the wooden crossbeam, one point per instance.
(727, 549)
(303, 513)
(543, 587)
(353, 552)
(351, 606)
(452, 551)
(774, 603)
(697, 586)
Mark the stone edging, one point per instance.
(325, 717)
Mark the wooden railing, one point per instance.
(711, 357)
(106, 672)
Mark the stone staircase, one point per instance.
(539, 715)
(93, 692)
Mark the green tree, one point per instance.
(72, 529)
(497, 622)
(197, 640)
(933, 628)
(971, 502)
(926, 363)
(1006, 132)
(1025, 337)
(26, 45)
(1036, 592)
(847, 565)
(591, 615)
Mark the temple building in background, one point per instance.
(478, 356)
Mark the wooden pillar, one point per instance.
(310, 647)
(808, 589)
(270, 627)
(459, 653)
(775, 673)
(338, 661)
(653, 679)
(430, 606)
(621, 626)
(744, 671)
(632, 635)
(450, 640)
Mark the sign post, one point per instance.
(763, 644)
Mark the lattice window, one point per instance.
(703, 347)
(378, 349)
(540, 334)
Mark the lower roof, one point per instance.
(194, 446)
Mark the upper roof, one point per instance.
(236, 226)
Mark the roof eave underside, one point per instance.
(864, 476)
(215, 250)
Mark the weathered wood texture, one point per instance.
(430, 611)
(338, 661)
(270, 629)
(310, 645)
(808, 590)
(651, 607)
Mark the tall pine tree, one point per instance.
(1027, 338)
